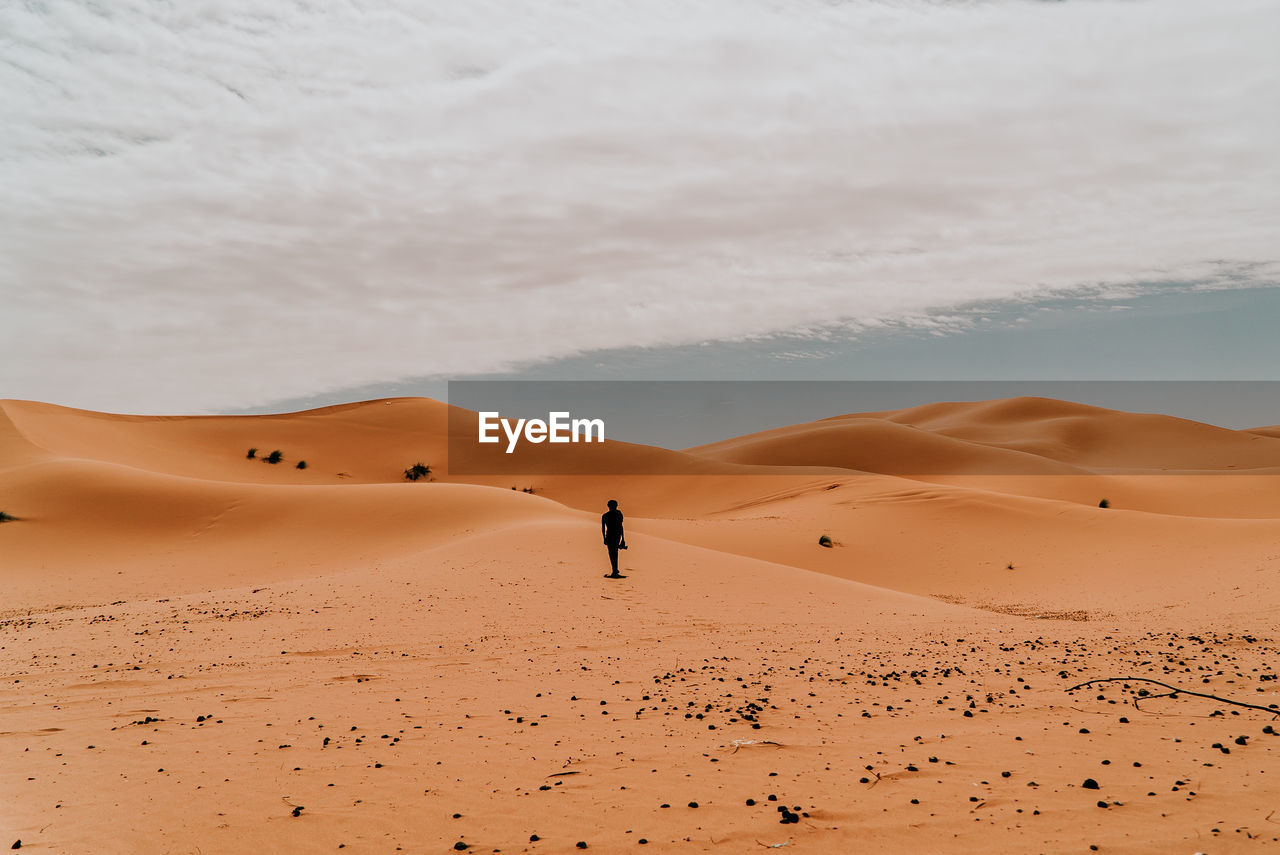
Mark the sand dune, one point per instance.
(879, 445)
(164, 534)
(1018, 436)
(205, 650)
(993, 549)
(367, 442)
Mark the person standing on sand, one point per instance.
(611, 528)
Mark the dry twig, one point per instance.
(738, 743)
(1173, 692)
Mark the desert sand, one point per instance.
(207, 653)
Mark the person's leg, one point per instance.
(613, 556)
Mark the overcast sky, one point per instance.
(218, 204)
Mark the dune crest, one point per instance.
(203, 648)
(1015, 436)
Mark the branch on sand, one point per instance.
(739, 743)
(1173, 692)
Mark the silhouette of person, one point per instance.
(611, 528)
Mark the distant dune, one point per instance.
(1031, 436)
(456, 641)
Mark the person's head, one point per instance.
(613, 504)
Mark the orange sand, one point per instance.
(183, 629)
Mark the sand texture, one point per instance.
(206, 653)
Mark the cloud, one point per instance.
(207, 205)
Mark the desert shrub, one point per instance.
(1104, 504)
(417, 471)
(6, 517)
(825, 541)
(253, 452)
(302, 464)
(274, 457)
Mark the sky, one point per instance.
(220, 205)
(1209, 354)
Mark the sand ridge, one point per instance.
(206, 650)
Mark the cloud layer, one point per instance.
(206, 205)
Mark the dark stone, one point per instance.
(1090, 784)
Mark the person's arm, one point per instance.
(604, 529)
